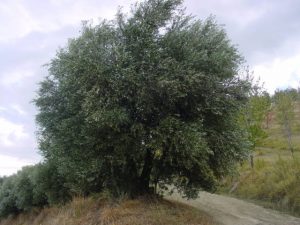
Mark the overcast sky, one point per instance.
(266, 32)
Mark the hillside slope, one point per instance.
(274, 181)
(91, 211)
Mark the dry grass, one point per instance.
(274, 180)
(90, 211)
(275, 185)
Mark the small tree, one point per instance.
(285, 113)
(147, 99)
(253, 116)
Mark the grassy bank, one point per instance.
(94, 211)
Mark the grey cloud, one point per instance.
(276, 24)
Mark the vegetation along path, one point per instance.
(231, 211)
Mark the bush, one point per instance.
(51, 184)
(7, 197)
(33, 186)
(23, 190)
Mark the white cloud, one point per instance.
(80, 10)
(15, 77)
(11, 134)
(22, 17)
(18, 21)
(243, 10)
(279, 73)
(18, 109)
(2, 109)
(10, 165)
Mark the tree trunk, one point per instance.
(288, 134)
(289, 137)
(144, 180)
(269, 118)
(132, 178)
(251, 161)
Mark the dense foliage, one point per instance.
(254, 115)
(33, 186)
(151, 98)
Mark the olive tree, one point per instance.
(150, 98)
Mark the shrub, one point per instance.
(33, 186)
(7, 197)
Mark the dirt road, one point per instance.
(231, 211)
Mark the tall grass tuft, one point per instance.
(96, 210)
(275, 183)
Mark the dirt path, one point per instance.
(231, 211)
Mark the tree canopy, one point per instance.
(255, 114)
(150, 98)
